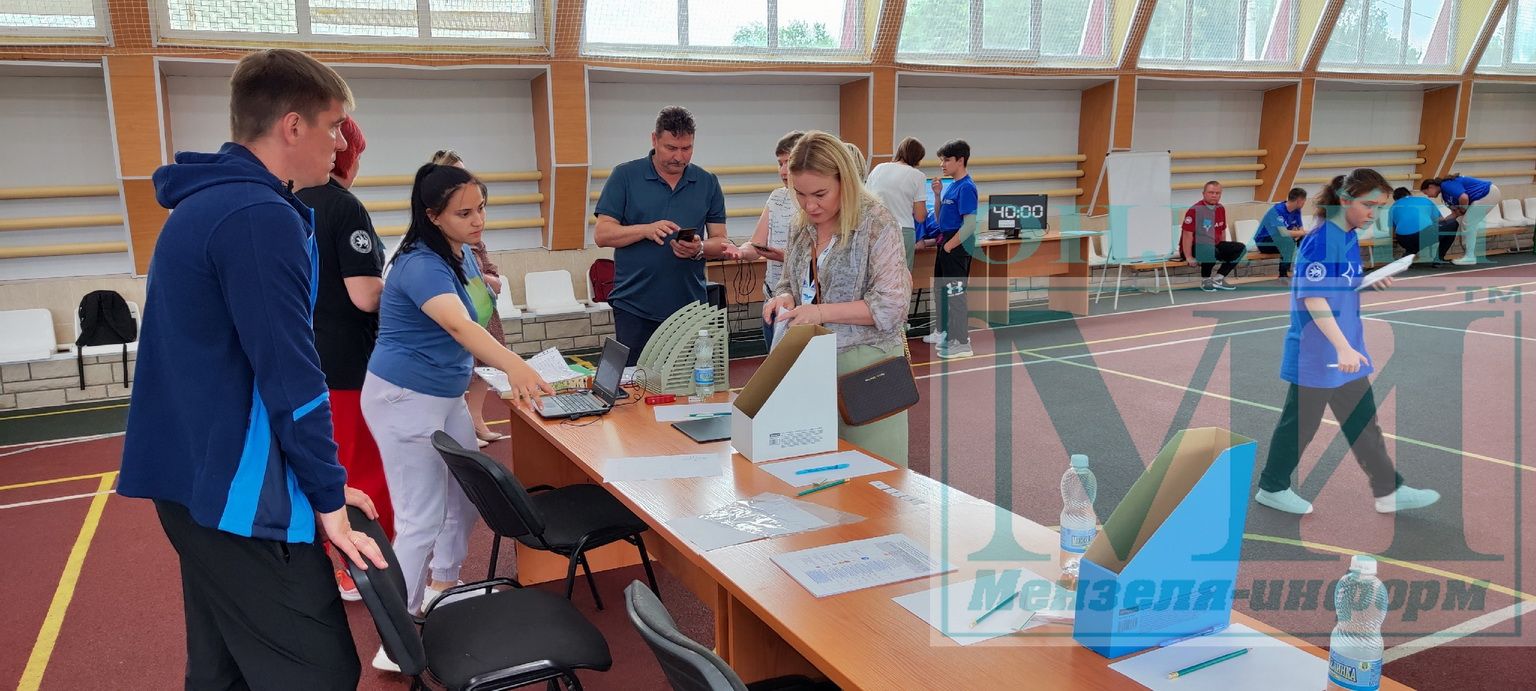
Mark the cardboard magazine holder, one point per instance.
(1165, 564)
(789, 407)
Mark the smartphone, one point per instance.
(686, 234)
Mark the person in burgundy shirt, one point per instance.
(1205, 239)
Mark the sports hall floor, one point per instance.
(92, 598)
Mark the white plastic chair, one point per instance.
(1246, 230)
(504, 305)
(550, 292)
(90, 351)
(1513, 214)
(1530, 208)
(1494, 219)
(26, 335)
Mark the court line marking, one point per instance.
(45, 443)
(63, 412)
(1457, 631)
(1414, 566)
(48, 635)
(54, 481)
(52, 500)
(1447, 328)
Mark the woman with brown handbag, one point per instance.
(844, 269)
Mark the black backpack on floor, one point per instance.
(105, 320)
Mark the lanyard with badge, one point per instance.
(810, 285)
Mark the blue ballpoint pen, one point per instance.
(808, 471)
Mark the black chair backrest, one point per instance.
(383, 591)
(688, 665)
(503, 503)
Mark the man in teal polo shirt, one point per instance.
(645, 206)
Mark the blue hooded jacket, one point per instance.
(230, 415)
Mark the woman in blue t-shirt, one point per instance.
(1325, 359)
(1470, 200)
(419, 372)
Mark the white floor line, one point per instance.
(35, 446)
(1459, 631)
(1460, 331)
(51, 500)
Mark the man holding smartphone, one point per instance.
(650, 212)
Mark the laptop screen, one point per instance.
(610, 368)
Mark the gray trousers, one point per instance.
(433, 517)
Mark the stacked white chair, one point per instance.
(26, 335)
(551, 292)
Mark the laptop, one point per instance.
(605, 390)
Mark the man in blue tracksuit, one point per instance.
(229, 429)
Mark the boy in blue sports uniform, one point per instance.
(1325, 360)
(956, 221)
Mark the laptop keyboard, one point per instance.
(573, 403)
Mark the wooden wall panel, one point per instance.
(568, 220)
(131, 80)
(569, 106)
(1106, 120)
(144, 219)
(543, 148)
(883, 136)
(1285, 129)
(854, 115)
(1443, 127)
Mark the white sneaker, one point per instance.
(430, 595)
(935, 337)
(1285, 500)
(1406, 498)
(382, 662)
(1464, 261)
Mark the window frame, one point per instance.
(305, 36)
(100, 35)
(1402, 63)
(770, 52)
(1506, 64)
(1238, 38)
(975, 52)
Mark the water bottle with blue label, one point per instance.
(1079, 523)
(703, 369)
(1355, 650)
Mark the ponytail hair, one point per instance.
(1359, 182)
(435, 184)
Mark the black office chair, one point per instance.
(500, 639)
(688, 665)
(569, 521)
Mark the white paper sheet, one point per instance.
(691, 411)
(1388, 271)
(551, 365)
(707, 535)
(495, 377)
(858, 464)
(953, 608)
(850, 566)
(662, 467)
(1270, 664)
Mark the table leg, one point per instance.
(1070, 293)
(755, 651)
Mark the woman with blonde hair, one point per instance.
(844, 269)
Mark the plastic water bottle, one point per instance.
(1079, 524)
(1355, 650)
(703, 369)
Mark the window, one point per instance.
(53, 21)
(1004, 31)
(500, 23)
(1392, 35)
(750, 29)
(1513, 51)
(1197, 33)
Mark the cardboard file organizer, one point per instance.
(789, 406)
(1165, 564)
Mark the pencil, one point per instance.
(820, 486)
(1195, 668)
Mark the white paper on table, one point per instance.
(636, 468)
(1270, 664)
(551, 365)
(952, 608)
(1388, 271)
(858, 464)
(495, 377)
(707, 535)
(850, 566)
(691, 411)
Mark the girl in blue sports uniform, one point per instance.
(1325, 359)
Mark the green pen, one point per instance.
(1195, 668)
(820, 486)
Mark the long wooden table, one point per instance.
(1060, 257)
(766, 624)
